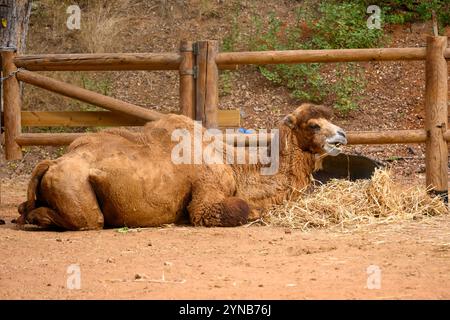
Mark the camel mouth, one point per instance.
(333, 146)
(332, 149)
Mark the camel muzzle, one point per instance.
(333, 144)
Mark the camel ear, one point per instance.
(290, 121)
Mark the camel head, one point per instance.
(313, 131)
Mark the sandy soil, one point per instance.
(246, 262)
(240, 263)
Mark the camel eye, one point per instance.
(314, 126)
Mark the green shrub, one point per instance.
(402, 11)
(347, 89)
(343, 25)
(333, 24)
(225, 83)
(330, 25)
(101, 85)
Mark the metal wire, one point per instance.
(10, 75)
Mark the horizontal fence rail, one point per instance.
(225, 60)
(354, 138)
(103, 62)
(335, 55)
(100, 62)
(226, 119)
(387, 137)
(47, 139)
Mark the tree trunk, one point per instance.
(15, 15)
(14, 18)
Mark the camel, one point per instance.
(118, 178)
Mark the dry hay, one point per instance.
(350, 205)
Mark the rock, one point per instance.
(291, 285)
(407, 171)
(110, 260)
(420, 169)
(2, 221)
(375, 149)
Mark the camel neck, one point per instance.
(294, 171)
(295, 163)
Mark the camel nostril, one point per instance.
(341, 133)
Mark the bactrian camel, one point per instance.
(121, 178)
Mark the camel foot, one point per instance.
(230, 212)
(235, 212)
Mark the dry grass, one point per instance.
(342, 204)
(102, 22)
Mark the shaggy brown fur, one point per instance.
(119, 178)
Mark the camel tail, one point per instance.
(36, 177)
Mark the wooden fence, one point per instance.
(198, 64)
(198, 76)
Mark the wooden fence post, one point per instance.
(212, 86)
(201, 49)
(187, 84)
(14, 15)
(207, 83)
(11, 105)
(436, 90)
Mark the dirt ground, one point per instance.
(252, 262)
(249, 262)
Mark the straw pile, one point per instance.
(348, 205)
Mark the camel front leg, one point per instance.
(213, 203)
(230, 212)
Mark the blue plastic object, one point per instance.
(246, 131)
